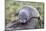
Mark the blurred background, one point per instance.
(12, 8)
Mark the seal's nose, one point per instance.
(22, 21)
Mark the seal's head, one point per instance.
(23, 17)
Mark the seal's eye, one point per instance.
(25, 18)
